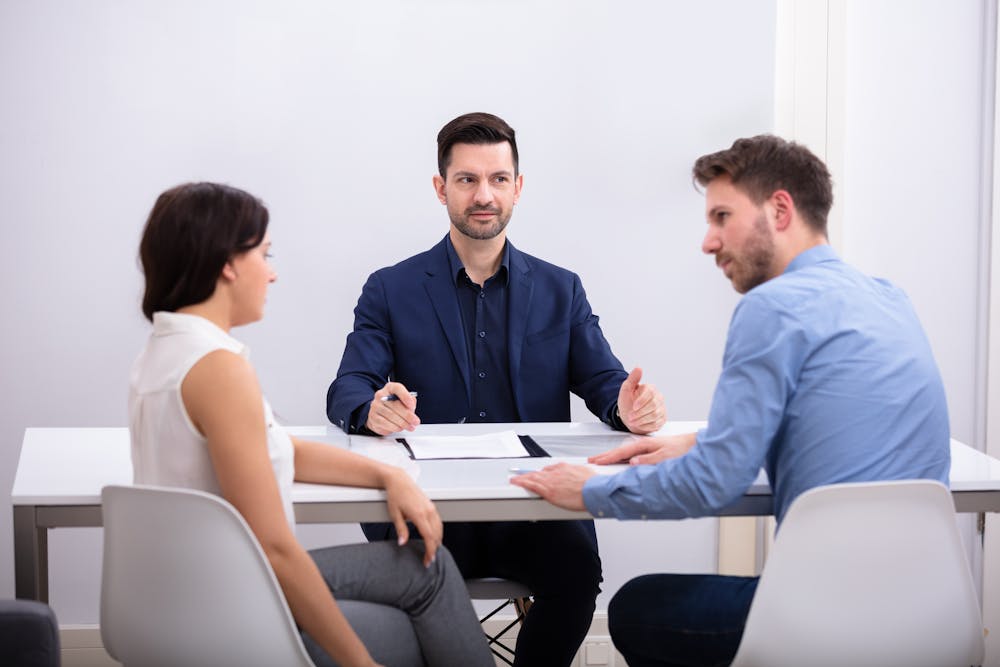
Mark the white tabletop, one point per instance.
(69, 466)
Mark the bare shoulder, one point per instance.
(221, 386)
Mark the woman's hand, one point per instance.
(407, 502)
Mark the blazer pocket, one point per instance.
(546, 334)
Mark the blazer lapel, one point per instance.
(441, 291)
(518, 307)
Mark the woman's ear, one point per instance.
(229, 272)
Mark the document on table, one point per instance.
(500, 445)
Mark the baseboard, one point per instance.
(82, 645)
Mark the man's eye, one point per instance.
(501, 179)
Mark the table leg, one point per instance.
(31, 555)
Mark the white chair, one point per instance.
(185, 582)
(866, 574)
(511, 593)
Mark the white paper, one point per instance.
(501, 445)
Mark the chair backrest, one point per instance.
(866, 574)
(185, 582)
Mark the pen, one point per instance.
(520, 471)
(393, 397)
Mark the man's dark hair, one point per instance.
(473, 128)
(192, 231)
(761, 165)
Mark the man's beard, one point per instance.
(752, 267)
(478, 232)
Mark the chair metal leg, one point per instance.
(495, 641)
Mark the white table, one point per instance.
(62, 470)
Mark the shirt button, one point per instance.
(643, 517)
(482, 295)
(482, 414)
(482, 374)
(482, 334)
(600, 512)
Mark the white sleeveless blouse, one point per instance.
(167, 449)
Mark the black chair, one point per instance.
(29, 634)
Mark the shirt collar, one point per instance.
(820, 253)
(457, 268)
(167, 323)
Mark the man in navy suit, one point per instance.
(482, 332)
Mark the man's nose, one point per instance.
(710, 244)
(484, 193)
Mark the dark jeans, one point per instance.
(557, 560)
(680, 620)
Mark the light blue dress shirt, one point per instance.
(827, 377)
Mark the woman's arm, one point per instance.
(223, 399)
(324, 464)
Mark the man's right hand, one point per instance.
(385, 417)
(647, 450)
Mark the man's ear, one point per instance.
(784, 208)
(439, 188)
(518, 184)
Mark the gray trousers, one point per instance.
(405, 614)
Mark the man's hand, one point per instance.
(647, 450)
(385, 417)
(560, 484)
(640, 406)
(407, 502)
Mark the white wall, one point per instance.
(914, 210)
(328, 111)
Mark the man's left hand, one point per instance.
(560, 484)
(640, 407)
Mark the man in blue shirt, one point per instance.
(827, 377)
(482, 332)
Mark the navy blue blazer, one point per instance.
(408, 326)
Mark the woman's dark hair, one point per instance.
(192, 231)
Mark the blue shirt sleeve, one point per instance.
(764, 351)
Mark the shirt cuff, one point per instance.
(615, 420)
(359, 418)
(596, 495)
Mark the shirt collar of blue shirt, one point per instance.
(457, 267)
(821, 253)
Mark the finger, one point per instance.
(530, 482)
(646, 459)
(402, 532)
(632, 381)
(389, 419)
(431, 535)
(397, 413)
(645, 396)
(619, 454)
(397, 388)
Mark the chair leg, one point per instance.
(495, 641)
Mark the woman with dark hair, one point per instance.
(197, 419)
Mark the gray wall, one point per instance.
(328, 111)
